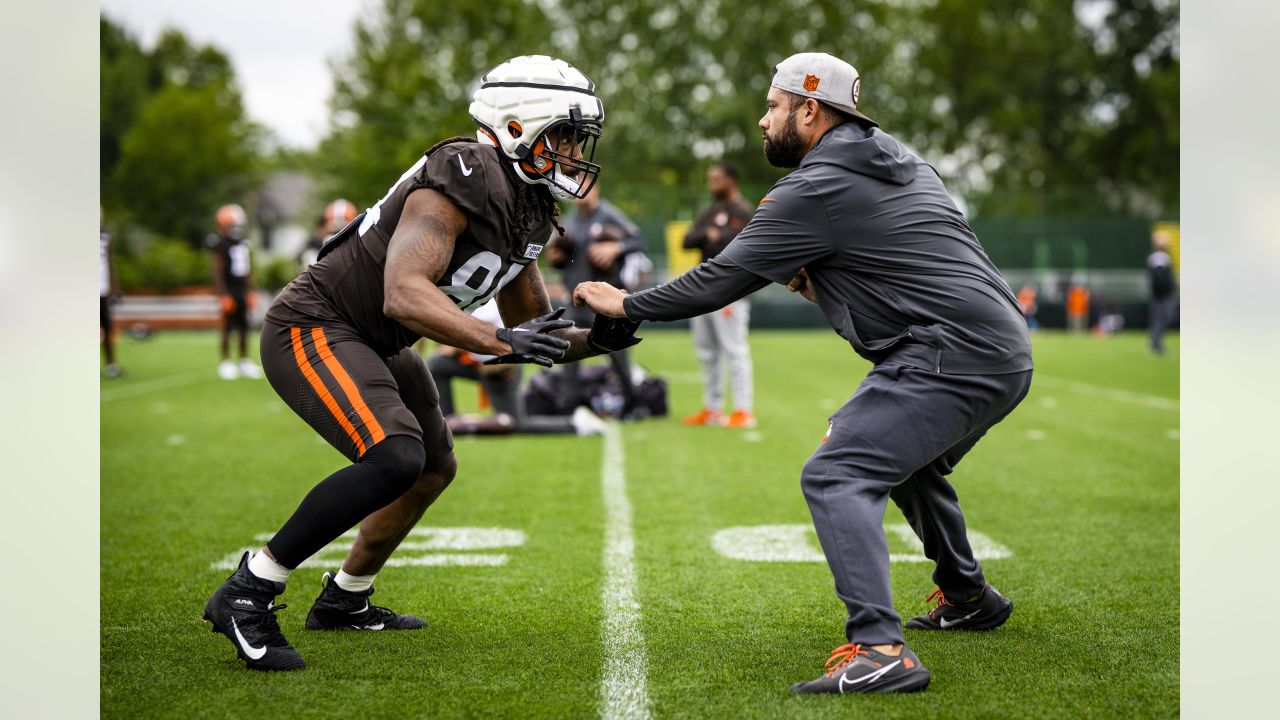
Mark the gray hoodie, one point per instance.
(894, 265)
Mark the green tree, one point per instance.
(125, 85)
(189, 151)
(176, 142)
(409, 82)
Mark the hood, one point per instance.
(866, 151)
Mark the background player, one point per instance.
(597, 241)
(865, 229)
(463, 225)
(720, 337)
(233, 281)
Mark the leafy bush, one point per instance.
(165, 264)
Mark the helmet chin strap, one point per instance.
(562, 186)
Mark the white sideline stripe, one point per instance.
(165, 383)
(1109, 393)
(623, 687)
(420, 539)
(792, 543)
(319, 560)
(442, 538)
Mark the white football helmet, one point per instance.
(527, 98)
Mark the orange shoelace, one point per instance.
(842, 656)
(940, 598)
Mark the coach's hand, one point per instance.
(531, 341)
(603, 298)
(612, 334)
(801, 284)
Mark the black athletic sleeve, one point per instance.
(790, 229)
(706, 288)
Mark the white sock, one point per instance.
(354, 583)
(268, 569)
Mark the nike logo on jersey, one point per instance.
(943, 621)
(249, 650)
(869, 677)
(466, 171)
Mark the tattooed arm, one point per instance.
(417, 257)
(525, 297)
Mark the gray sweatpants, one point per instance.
(720, 339)
(898, 437)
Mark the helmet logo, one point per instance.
(811, 82)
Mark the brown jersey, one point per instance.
(508, 222)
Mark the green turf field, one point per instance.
(1077, 494)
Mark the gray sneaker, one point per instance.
(857, 668)
(989, 611)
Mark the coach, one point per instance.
(865, 228)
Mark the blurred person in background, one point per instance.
(720, 337)
(336, 215)
(597, 240)
(1077, 308)
(107, 291)
(1027, 301)
(233, 281)
(464, 225)
(1160, 278)
(501, 384)
(865, 228)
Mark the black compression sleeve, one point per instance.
(708, 287)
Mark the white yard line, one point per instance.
(1109, 393)
(623, 688)
(128, 390)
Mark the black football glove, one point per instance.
(611, 334)
(531, 343)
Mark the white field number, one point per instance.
(798, 543)
(425, 547)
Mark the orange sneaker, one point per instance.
(740, 419)
(704, 417)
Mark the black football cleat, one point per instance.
(243, 608)
(857, 668)
(338, 609)
(988, 612)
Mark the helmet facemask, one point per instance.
(561, 158)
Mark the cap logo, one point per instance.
(857, 89)
(811, 83)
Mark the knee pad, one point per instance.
(399, 460)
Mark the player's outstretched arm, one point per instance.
(417, 257)
(525, 297)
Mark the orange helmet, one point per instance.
(337, 214)
(230, 220)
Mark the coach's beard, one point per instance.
(786, 150)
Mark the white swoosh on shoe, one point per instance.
(253, 652)
(943, 621)
(357, 612)
(368, 627)
(844, 679)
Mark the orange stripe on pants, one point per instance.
(348, 386)
(309, 373)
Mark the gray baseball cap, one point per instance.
(823, 77)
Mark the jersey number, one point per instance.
(477, 280)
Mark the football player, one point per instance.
(234, 284)
(463, 225)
